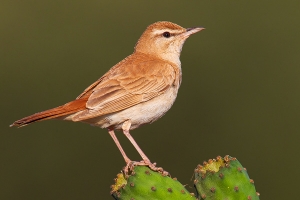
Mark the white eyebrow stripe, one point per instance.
(160, 31)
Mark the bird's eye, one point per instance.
(166, 34)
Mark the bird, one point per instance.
(138, 90)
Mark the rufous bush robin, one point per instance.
(138, 90)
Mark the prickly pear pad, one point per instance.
(145, 184)
(224, 178)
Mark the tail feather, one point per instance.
(68, 108)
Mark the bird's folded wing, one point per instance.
(127, 86)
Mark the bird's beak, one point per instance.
(191, 31)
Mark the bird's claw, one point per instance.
(128, 169)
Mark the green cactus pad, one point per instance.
(224, 178)
(146, 184)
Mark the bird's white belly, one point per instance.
(143, 113)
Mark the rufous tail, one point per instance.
(68, 108)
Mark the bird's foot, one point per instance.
(130, 165)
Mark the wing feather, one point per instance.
(127, 85)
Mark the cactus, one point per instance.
(143, 183)
(224, 179)
(218, 179)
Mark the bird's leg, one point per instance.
(114, 137)
(126, 126)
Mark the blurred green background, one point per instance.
(239, 95)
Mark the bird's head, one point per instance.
(164, 40)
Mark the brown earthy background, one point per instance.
(240, 93)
